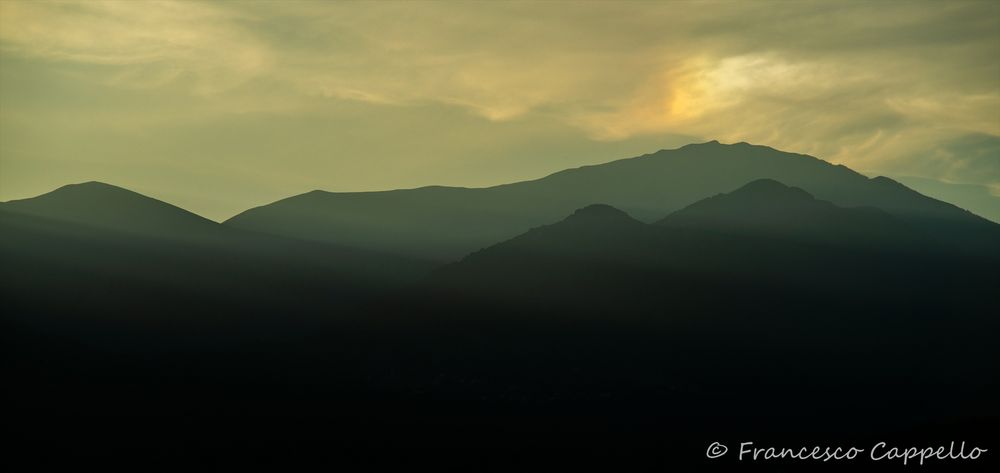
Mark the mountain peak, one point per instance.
(599, 212)
(885, 181)
(719, 143)
(761, 200)
(93, 190)
(766, 207)
(771, 189)
(102, 205)
(83, 193)
(712, 143)
(94, 185)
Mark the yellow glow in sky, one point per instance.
(219, 106)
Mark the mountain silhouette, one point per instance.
(445, 223)
(976, 198)
(95, 238)
(600, 211)
(765, 239)
(768, 208)
(103, 206)
(594, 320)
(596, 231)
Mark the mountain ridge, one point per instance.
(101, 205)
(768, 208)
(805, 249)
(444, 223)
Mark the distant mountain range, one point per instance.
(769, 209)
(764, 241)
(668, 291)
(103, 206)
(444, 223)
(91, 240)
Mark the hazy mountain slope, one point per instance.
(114, 251)
(99, 211)
(974, 198)
(445, 223)
(105, 206)
(762, 241)
(597, 233)
(768, 208)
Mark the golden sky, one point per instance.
(220, 106)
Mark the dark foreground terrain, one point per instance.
(759, 315)
(287, 362)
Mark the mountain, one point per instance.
(99, 213)
(586, 259)
(594, 325)
(115, 251)
(975, 198)
(444, 223)
(768, 208)
(594, 233)
(765, 241)
(97, 205)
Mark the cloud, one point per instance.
(972, 158)
(883, 87)
(149, 44)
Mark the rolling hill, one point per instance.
(97, 205)
(102, 250)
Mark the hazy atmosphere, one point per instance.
(218, 107)
(501, 236)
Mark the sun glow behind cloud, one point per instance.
(268, 99)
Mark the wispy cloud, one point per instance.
(872, 85)
(151, 44)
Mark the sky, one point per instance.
(221, 106)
